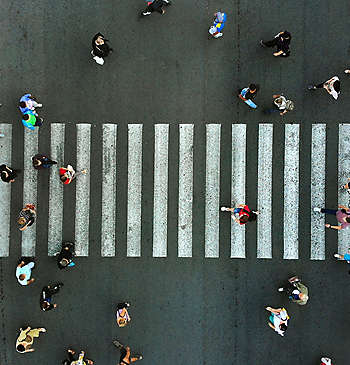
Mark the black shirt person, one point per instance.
(42, 162)
(47, 292)
(7, 174)
(65, 256)
(281, 41)
(100, 47)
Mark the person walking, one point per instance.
(42, 162)
(242, 214)
(278, 320)
(67, 174)
(30, 120)
(26, 339)
(26, 217)
(296, 291)
(24, 272)
(281, 41)
(215, 30)
(281, 105)
(8, 174)
(125, 354)
(155, 5)
(342, 214)
(28, 103)
(65, 256)
(123, 317)
(100, 48)
(248, 93)
(332, 86)
(80, 361)
(47, 292)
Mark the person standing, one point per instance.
(26, 339)
(248, 93)
(332, 86)
(8, 174)
(125, 354)
(24, 272)
(123, 317)
(281, 105)
(67, 174)
(215, 30)
(278, 320)
(155, 5)
(65, 256)
(46, 296)
(26, 217)
(342, 215)
(296, 291)
(281, 41)
(42, 162)
(28, 103)
(100, 48)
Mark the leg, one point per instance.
(271, 43)
(329, 211)
(135, 358)
(38, 122)
(122, 354)
(319, 86)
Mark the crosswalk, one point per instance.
(109, 170)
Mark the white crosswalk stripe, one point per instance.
(111, 228)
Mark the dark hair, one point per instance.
(45, 304)
(20, 348)
(286, 35)
(336, 86)
(254, 87)
(252, 217)
(244, 219)
(22, 104)
(347, 219)
(283, 327)
(26, 116)
(63, 178)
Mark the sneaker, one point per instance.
(140, 357)
(256, 212)
(311, 87)
(127, 304)
(39, 105)
(262, 44)
(347, 71)
(167, 2)
(224, 209)
(316, 209)
(42, 329)
(146, 13)
(337, 256)
(280, 289)
(92, 53)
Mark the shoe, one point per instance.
(140, 357)
(167, 2)
(311, 87)
(317, 209)
(262, 44)
(127, 304)
(92, 53)
(39, 105)
(280, 289)
(337, 256)
(146, 13)
(347, 71)
(42, 329)
(224, 209)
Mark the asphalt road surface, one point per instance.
(185, 310)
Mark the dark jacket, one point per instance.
(100, 50)
(65, 257)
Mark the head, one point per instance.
(99, 40)
(20, 348)
(25, 116)
(286, 35)
(64, 177)
(244, 219)
(64, 262)
(347, 219)
(45, 305)
(253, 87)
(22, 277)
(21, 221)
(283, 327)
(22, 104)
(336, 86)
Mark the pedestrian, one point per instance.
(67, 174)
(47, 292)
(42, 162)
(30, 120)
(345, 257)
(8, 174)
(24, 271)
(65, 256)
(100, 48)
(296, 291)
(26, 217)
(332, 86)
(79, 361)
(125, 354)
(278, 320)
(326, 361)
(242, 214)
(123, 317)
(342, 214)
(248, 93)
(215, 30)
(281, 41)
(155, 5)
(26, 339)
(281, 105)
(28, 103)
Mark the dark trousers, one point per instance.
(319, 86)
(271, 43)
(38, 122)
(329, 211)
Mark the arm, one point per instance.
(284, 112)
(333, 227)
(276, 54)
